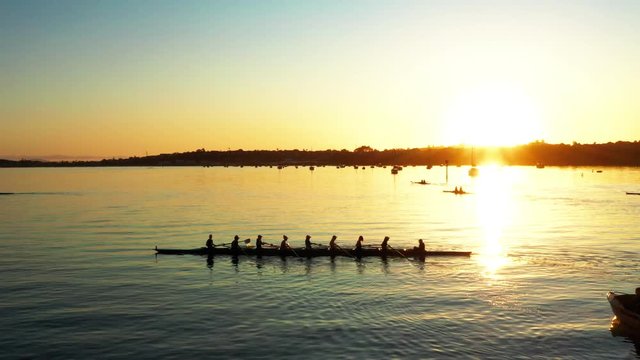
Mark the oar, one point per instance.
(345, 251)
(246, 241)
(399, 253)
(294, 252)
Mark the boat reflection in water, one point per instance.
(619, 329)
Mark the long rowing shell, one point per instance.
(302, 252)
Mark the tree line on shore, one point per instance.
(621, 153)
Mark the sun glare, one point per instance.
(494, 213)
(492, 116)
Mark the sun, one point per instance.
(492, 116)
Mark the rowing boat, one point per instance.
(316, 252)
(422, 182)
(622, 306)
(456, 192)
(633, 193)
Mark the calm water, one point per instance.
(79, 278)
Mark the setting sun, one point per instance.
(492, 116)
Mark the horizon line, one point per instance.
(62, 158)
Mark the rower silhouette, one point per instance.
(420, 250)
(384, 246)
(358, 249)
(307, 245)
(284, 246)
(259, 246)
(209, 244)
(333, 247)
(235, 247)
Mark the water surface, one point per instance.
(80, 279)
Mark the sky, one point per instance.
(102, 79)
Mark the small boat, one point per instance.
(421, 182)
(316, 252)
(457, 192)
(539, 165)
(311, 168)
(394, 171)
(622, 306)
(633, 193)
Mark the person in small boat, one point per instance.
(359, 246)
(455, 190)
(461, 191)
(284, 245)
(384, 246)
(420, 247)
(636, 308)
(235, 247)
(209, 243)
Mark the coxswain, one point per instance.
(235, 247)
(384, 246)
(284, 245)
(359, 246)
(209, 243)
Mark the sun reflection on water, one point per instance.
(494, 212)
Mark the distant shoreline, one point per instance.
(622, 153)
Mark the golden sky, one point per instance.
(119, 78)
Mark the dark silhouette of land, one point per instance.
(621, 153)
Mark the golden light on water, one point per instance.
(494, 213)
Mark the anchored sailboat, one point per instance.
(473, 172)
